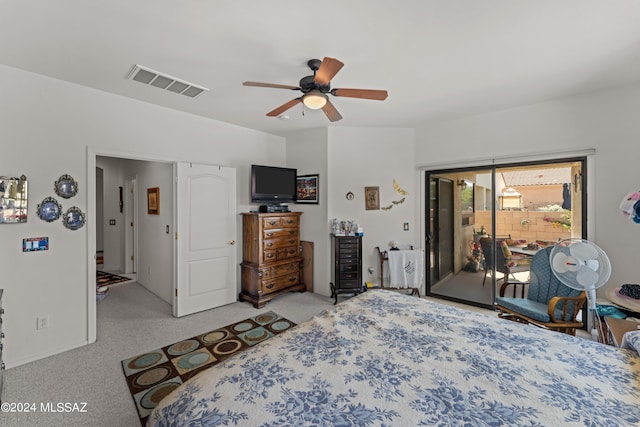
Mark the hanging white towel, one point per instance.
(405, 268)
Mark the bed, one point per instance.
(384, 358)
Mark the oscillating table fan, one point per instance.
(582, 265)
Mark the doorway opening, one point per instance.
(527, 205)
(194, 201)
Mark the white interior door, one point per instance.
(206, 233)
(130, 235)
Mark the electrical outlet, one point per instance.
(42, 322)
(406, 226)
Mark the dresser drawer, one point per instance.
(349, 284)
(280, 242)
(285, 269)
(280, 283)
(280, 232)
(348, 256)
(289, 252)
(279, 222)
(270, 255)
(278, 254)
(349, 276)
(349, 243)
(349, 267)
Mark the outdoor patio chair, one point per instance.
(507, 265)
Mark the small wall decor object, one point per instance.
(400, 191)
(66, 187)
(372, 198)
(630, 206)
(350, 195)
(49, 209)
(153, 201)
(307, 189)
(32, 244)
(13, 200)
(74, 218)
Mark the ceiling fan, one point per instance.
(316, 88)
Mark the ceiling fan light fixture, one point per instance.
(314, 100)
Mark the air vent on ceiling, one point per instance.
(163, 81)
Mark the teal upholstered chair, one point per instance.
(548, 303)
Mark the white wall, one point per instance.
(349, 159)
(307, 152)
(606, 121)
(50, 125)
(155, 245)
(360, 157)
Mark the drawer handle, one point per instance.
(292, 279)
(269, 286)
(292, 251)
(269, 255)
(292, 241)
(269, 234)
(269, 244)
(289, 221)
(292, 232)
(272, 222)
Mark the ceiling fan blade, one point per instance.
(331, 112)
(272, 85)
(284, 107)
(328, 68)
(379, 95)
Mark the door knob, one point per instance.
(233, 242)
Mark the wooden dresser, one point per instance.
(271, 262)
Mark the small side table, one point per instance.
(617, 328)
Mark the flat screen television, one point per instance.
(273, 185)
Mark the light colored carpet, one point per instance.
(131, 321)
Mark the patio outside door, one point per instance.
(528, 205)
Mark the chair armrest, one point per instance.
(578, 303)
(505, 285)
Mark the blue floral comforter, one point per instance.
(387, 359)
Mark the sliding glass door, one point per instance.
(473, 213)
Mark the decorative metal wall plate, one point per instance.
(49, 210)
(73, 218)
(66, 186)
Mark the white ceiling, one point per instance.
(438, 59)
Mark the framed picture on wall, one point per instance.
(307, 189)
(372, 198)
(153, 201)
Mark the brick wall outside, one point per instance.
(508, 222)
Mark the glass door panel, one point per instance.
(456, 269)
(477, 217)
